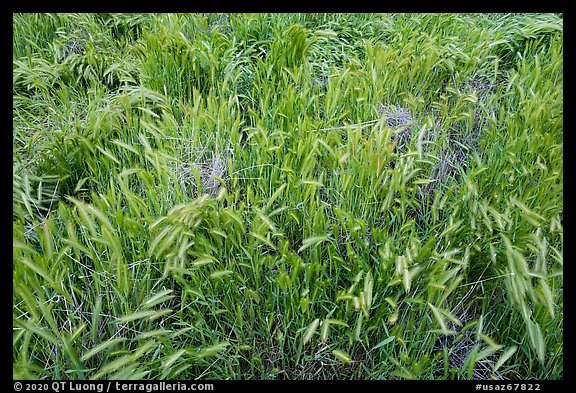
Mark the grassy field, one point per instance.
(288, 196)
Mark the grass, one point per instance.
(288, 196)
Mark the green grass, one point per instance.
(288, 196)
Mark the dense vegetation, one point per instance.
(287, 196)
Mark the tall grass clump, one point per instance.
(287, 196)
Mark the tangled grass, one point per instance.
(288, 196)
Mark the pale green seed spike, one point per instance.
(546, 296)
(135, 316)
(95, 321)
(101, 347)
(342, 355)
(324, 330)
(358, 327)
(486, 352)
(160, 314)
(406, 280)
(266, 220)
(368, 286)
(504, 357)
(173, 358)
(337, 322)
(212, 350)
(310, 331)
(262, 239)
(158, 298)
(220, 274)
(480, 326)
(113, 366)
(439, 317)
(312, 241)
(108, 154)
(491, 343)
(36, 268)
(275, 195)
(536, 340)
